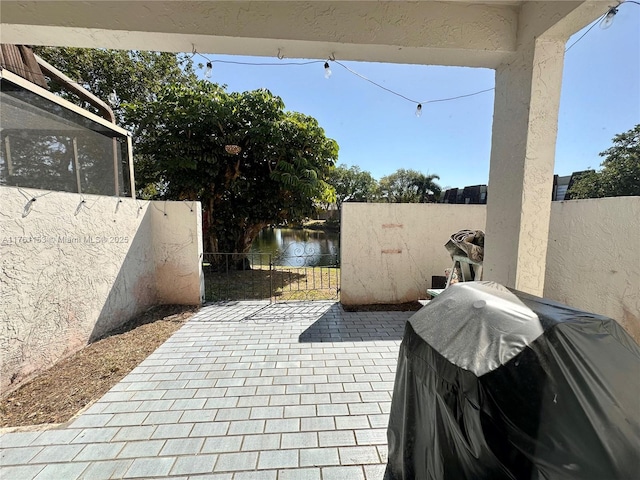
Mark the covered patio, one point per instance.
(245, 390)
(302, 391)
(524, 41)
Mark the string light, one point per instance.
(257, 64)
(80, 205)
(164, 209)
(607, 21)
(600, 21)
(31, 199)
(327, 70)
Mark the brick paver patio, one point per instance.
(243, 391)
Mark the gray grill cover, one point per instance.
(495, 384)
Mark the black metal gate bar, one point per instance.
(231, 276)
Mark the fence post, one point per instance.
(271, 273)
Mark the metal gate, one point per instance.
(298, 272)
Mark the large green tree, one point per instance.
(409, 186)
(250, 162)
(181, 128)
(620, 173)
(351, 184)
(132, 75)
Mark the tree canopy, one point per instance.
(409, 186)
(351, 184)
(250, 162)
(242, 155)
(620, 173)
(133, 75)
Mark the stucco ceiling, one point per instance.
(428, 32)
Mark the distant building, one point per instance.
(477, 194)
(561, 185)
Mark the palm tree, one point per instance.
(425, 185)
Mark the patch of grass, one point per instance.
(283, 283)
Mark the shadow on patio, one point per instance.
(336, 325)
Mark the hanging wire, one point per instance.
(596, 22)
(421, 103)
(164, 209)
(460, 96)
(359, 75)
(382, 87)
(32, 198)
(259, 64)
(189, 207)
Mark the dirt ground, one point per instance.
(57, 394)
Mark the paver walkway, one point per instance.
(243, 391)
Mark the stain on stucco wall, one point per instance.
(72, 271)
(592, 261)
(389, 252)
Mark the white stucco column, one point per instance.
(522, 159)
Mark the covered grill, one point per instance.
(498, 384)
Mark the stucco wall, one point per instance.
(177, 245)
(72, 271)
(593, 259)
(388, 252)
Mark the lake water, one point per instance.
(299, 248)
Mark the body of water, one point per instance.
(298, 248)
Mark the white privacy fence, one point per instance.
(390, 252)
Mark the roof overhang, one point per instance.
(462, 33)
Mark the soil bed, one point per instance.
(57, 394)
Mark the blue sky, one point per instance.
(380, 133)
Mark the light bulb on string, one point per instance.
(327, 70)
(607, 21)
(113, 98)
(207, 72)
(419, 110)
